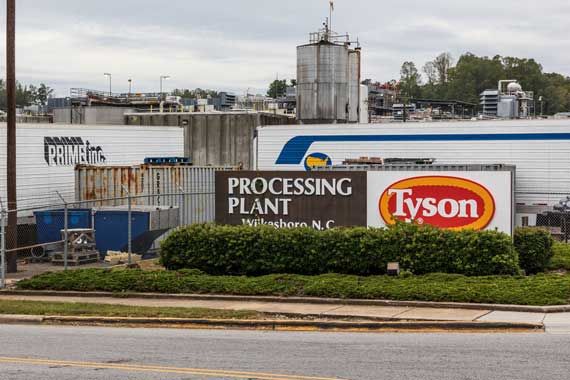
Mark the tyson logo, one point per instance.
(317, 160)
(445, 202)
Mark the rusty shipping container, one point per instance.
(191, 188)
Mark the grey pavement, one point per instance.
(554, 321)
(358, 356)
(363, 311)
(557, 323)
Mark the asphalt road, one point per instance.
(43, 352)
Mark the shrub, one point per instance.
(529, 290)
(561, 258)
(254, 251)
(534, 246)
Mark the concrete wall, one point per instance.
(106, 115)
(23, 119)
(221, 139)
(91, 115)
(218, 139)
(62, 115)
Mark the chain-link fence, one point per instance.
(558, 223)
(95, 232)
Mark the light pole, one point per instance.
(110, 84)
(130, 84)
(163, 77)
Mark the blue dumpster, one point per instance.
(49, 223)
(148, 223)
(111, 228)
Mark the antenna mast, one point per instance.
(331, 3)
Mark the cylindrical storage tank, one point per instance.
(322, 83)
(353, 86)
(306, 82)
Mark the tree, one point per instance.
(432, 89)
(25, 95)
(293, 82)
(410, 80)
(430, 70)
(556, 93)
(198, 93)
(277, 88)
(473, 74)
(42, 94)
(527, 71)
(442, 64)
(182, 92)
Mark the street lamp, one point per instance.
(130, 84)
(110, 84)
(163, 77)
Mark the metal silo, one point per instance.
(328, 79)
(354, 85)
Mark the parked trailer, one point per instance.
(540, 150)
(47, 155)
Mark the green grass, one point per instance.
(103, 310)
(544, 289)
(561, 258)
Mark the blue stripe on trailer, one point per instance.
(295, 149)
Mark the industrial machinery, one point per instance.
(81, 248)
(508, 102)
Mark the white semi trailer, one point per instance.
(540, 150)
(47, 155)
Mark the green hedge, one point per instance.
(254, 251)
(561, 259)
(516, 290)
(535, 248)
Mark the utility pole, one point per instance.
(109, 75)
(12, 230)
(163, 77)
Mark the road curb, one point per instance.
(297, 325)
(309, 300)
(21, 319)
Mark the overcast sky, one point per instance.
(239, 44)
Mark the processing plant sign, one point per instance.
(445, 201)
(281, 199)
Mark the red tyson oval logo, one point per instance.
(441, 201)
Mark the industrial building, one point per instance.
(434, 109)
(93, 107)
(381, 98)
(385, 105)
